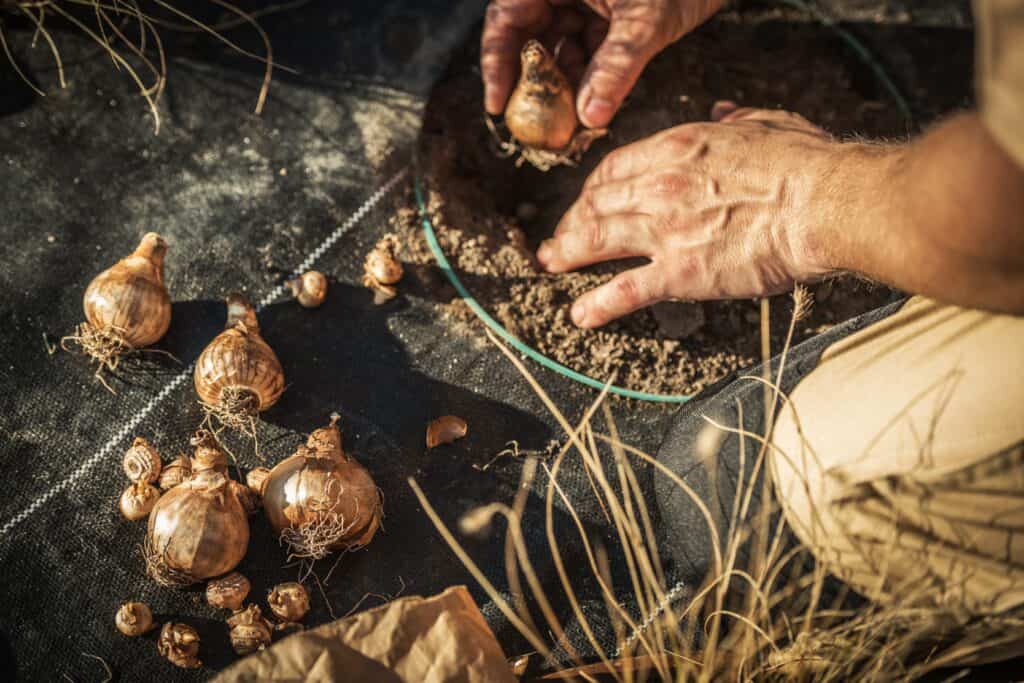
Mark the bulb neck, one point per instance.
(241, 311)
(153, 248)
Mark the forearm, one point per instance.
(942, 216)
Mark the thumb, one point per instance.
(628, 47)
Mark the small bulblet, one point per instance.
(142, 461)
(176, 472)
(289, 601)
(138, 500)
(309, 289)
(129, 299)
(179, 643)
(134, 618)
(238, 372)
(541, 112)
(228, 592)
(250, 632)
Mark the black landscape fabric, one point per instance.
(244, 200)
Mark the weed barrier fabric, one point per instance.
(243, 201)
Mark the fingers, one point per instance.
(726, 111)
(722, 108)
(615, 67)
(602, 239)
(622, 164)
(507, 27)
(625, 293)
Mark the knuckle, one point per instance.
(663, 227)
(609, 165)
(585, 206)
(638, 30)
(626, 289)
(669, 185)
(597, 236)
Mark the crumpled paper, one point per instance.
(440, 639)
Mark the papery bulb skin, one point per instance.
(238, 366)
(197, 530)
(129, 299)
(321, 499)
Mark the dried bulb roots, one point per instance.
(133, 618)
(238, 375)
(309, 289)
(138, 500)
(228, 592)
(250, 632)
(142, 461)
(179, 643)
(289, 601)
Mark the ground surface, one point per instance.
(243, 200)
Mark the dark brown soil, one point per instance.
(490, 215)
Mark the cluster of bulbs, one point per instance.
(318, 500)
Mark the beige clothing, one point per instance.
(1000, 77)
(900, 461)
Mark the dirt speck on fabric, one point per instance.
(489, 216)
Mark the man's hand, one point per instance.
(619, 37)
(738, 208)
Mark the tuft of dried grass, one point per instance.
(130, 35)
(759, 615)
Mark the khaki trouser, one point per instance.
(900, 463)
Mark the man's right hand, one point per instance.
(605, 45)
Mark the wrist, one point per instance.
(852, 203)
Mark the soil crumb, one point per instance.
(490, 215)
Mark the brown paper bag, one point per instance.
(441, 639)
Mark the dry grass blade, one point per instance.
(41, 31)
(14, 62)
(535, 641)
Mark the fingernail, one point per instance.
(544, 253)
(597, 112)
(578, 313)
